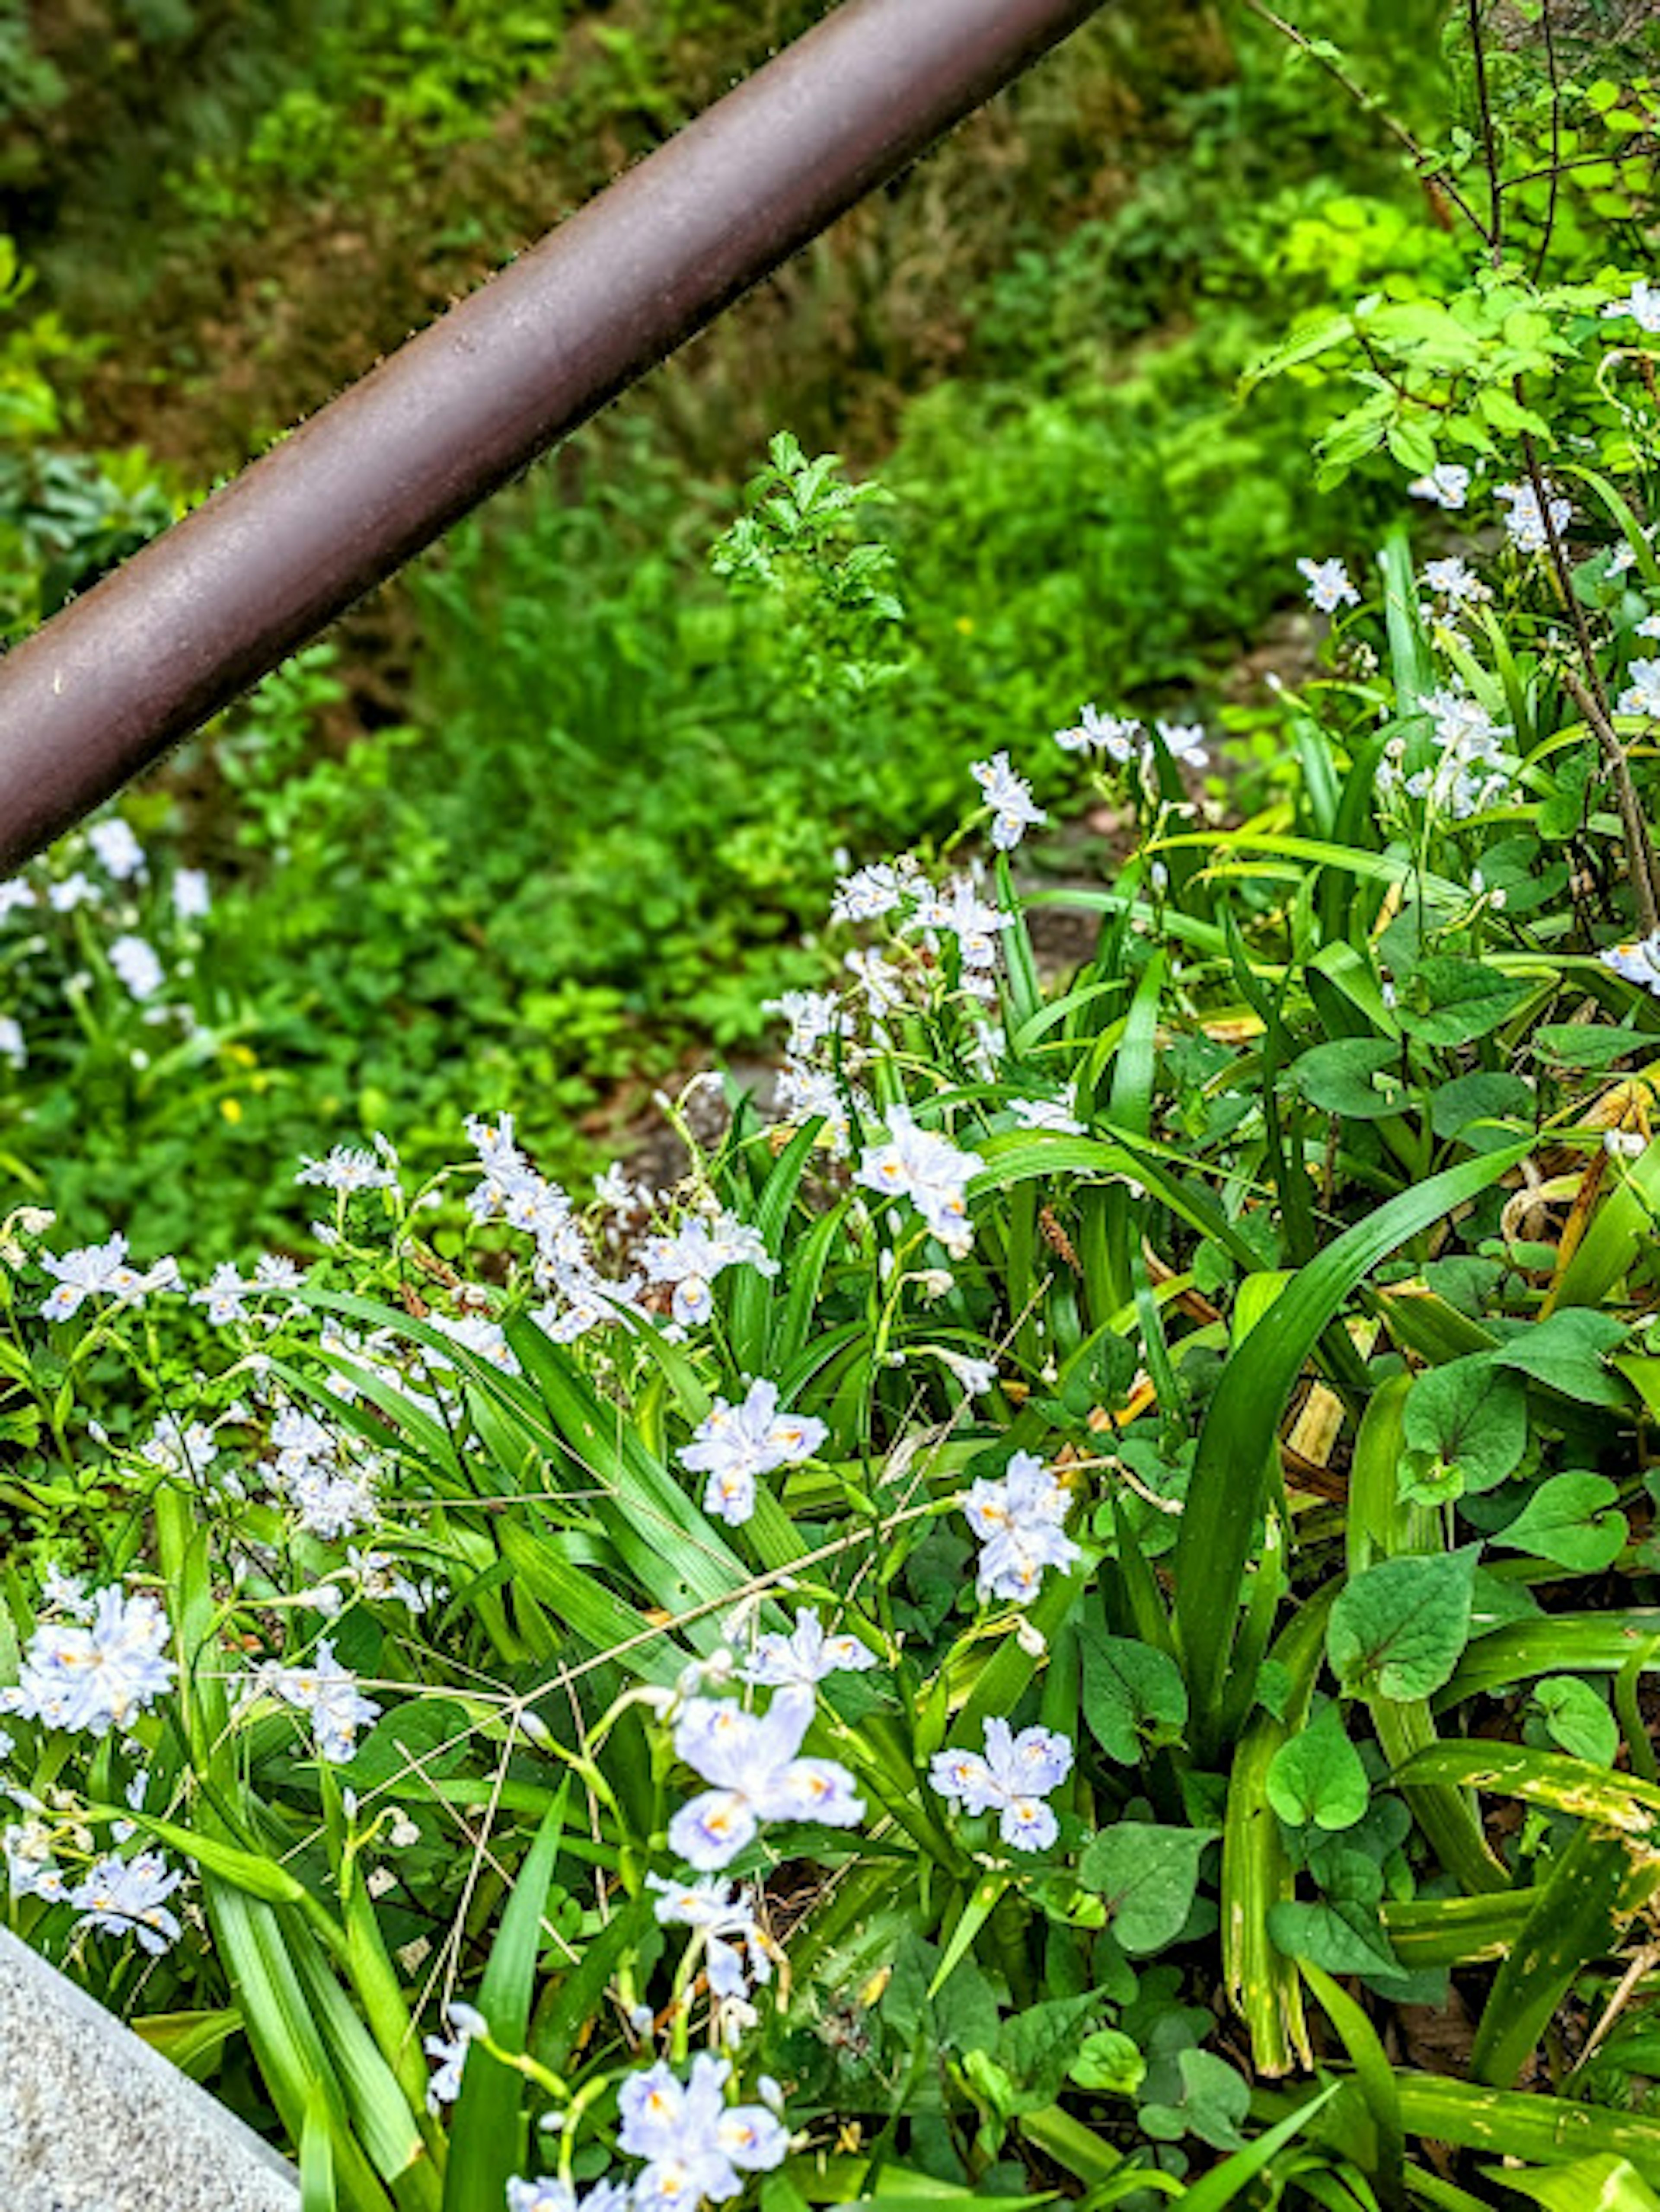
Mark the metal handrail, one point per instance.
(189, 622)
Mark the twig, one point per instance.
(1431, 170)
(1548, 231)
(1640, 852)
(1641, 142)
(1559, 561)
(1495, 232)
(1593, 701)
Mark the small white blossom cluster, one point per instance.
(118, 1896)
(350, 1168)
(374, 1576)
(1453, 587)
(102, 1270)
(1447, 485)
(733, 1445)
(549, 2194)
(955, 909)
(1013, 1780)
(697, 2147)
(1123, 739)
(879, 888)
(803, 1659)
(98, 1673)
(449, 2053)
(113, 894)
(1642, 693)
(1525, 521)
(136, 963)
(185, 1454)
(722, 1913)
(1057, 1113)
(117, 849)
(1641, 303)
(932, 1173)
(478, 1333)
(511, 1189)
(1018, 1519)
(28, 1847)
(330, 1492)
(227, 1291)
(327, 1692)
(690, 1259)
(823, 1052)
(753, 1764)
(1636, 963)
(1329, 585)
(130, 1897)
(1470, 769)
(1013, 809)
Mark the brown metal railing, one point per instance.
(189, 622)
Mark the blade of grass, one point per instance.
(1541, 2129)
(1239, 1437)
(1257, 1874)
(487, 2135)
(317, 2155)
(1596, 1887)
(1222, 2184)
(1457, 1931)
(1379, 1527)
(1376, 2077)
(1566, 1644)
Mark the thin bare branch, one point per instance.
(1431, 169)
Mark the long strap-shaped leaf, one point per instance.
(1243, 1422)
(1523, 2125)
(1597, 1886)
(486, 2137)
(1261, 1980)
(1379, 1526)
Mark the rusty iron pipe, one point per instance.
(167, 641)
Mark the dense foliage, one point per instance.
(1068, 1610)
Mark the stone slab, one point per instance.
(93, 2120)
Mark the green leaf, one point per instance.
(1471, 1414)
(1523, 2125)
(1376, 2077)
(1134, 1696)
(1037, 2045)
(1109, 2061)
(1222, 2185)
(1578, 1718)
(1568, 1352)
(1223, 1498)
(1452, 1001)
(1397, 1630)
(1216, 2102)
(486, 2137)
(1148, 1877)
(1343, 1932)
(317, 2191)
(1357, 1078)
(1317, 1777)
(1594, 1889)
(1602, 2184)
(424, 1739)
(1572, 1520)
(1468, 1099)
(1578, 1044)
(1411, 443)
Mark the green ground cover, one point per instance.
(1069, 1615)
